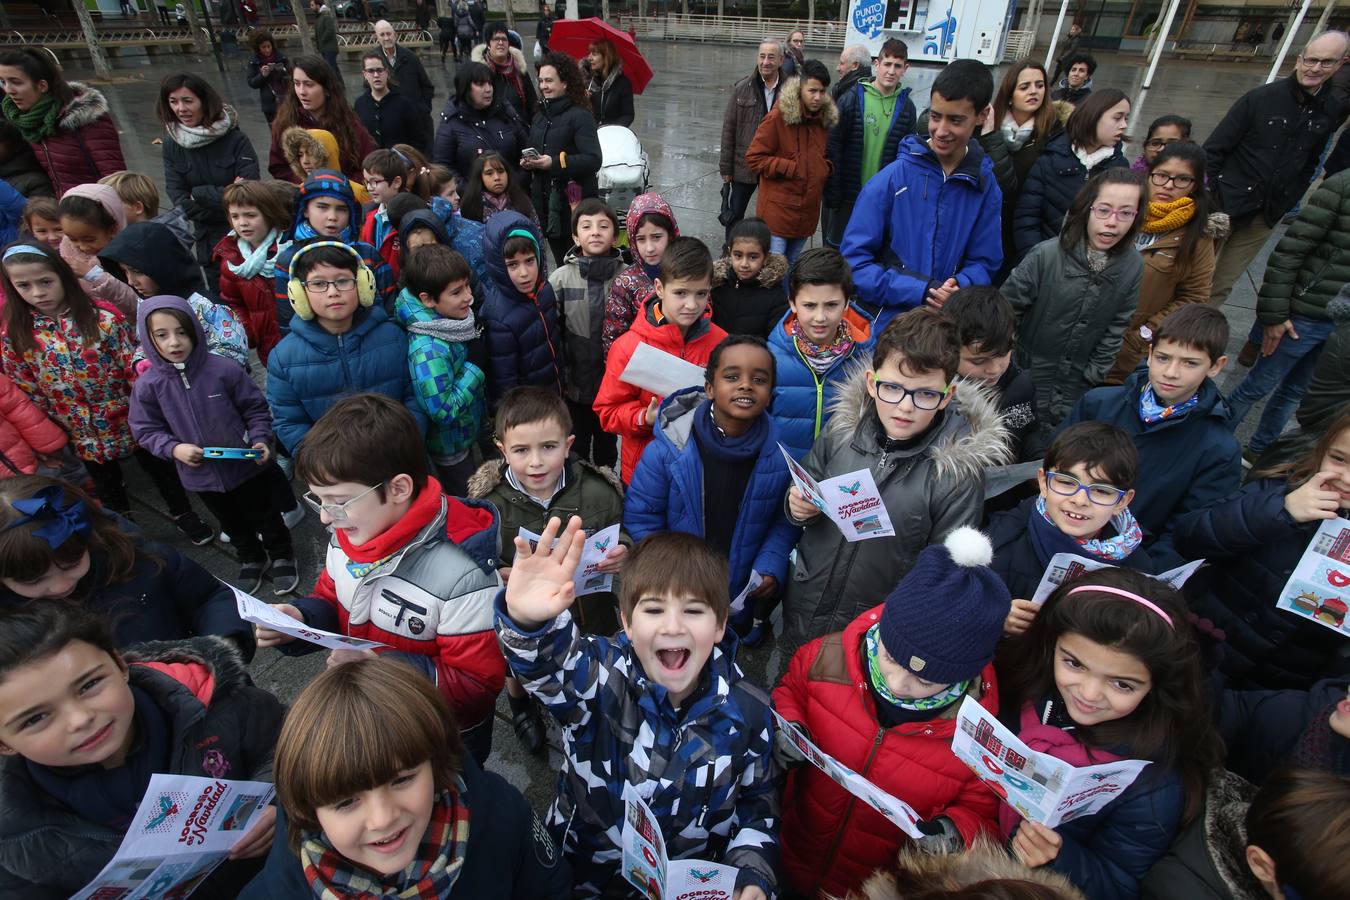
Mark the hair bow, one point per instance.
(62, 521)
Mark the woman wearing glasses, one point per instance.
(1090, 144)
(1177, 240)
(1074, 294)
(1162, 131)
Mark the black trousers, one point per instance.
(110, 486)
(252, 509)
(593, 442)
(740, 202)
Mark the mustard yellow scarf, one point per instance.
(1165, 217)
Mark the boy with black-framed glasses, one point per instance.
(926, 436)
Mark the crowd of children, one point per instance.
(466, 418)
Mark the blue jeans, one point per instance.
(1286, 372)
(789, 247)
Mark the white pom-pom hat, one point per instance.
(946, 615)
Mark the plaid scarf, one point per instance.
(1151, 411)
(820, 357)
(430, 875)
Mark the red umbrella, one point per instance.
(574, 37)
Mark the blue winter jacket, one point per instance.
(1054, 180)
(1253, 545)
(310, 370)
(523, 338)
(666, 493)
(914, 227)
(509, 855)
(801, 398)
(844, 147)
(1185, 463)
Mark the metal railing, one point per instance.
(1020, 45)
(732, 29)
(351, 36)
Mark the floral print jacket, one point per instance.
(86, 389)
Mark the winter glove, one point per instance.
(940, 836)
(785, 752)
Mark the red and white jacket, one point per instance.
(424, 587)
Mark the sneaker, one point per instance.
(223, 537)
(758, 633)
(285, 577)
(295, 516)
(251, 576)
(529, 728)
(194, 529)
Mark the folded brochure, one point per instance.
(251, 609)
(1068, 566)
(660, 372)
(588, 579)
(1041, 787)
(896, 811)
(1319, 587)
(184, 828)
(851, 501)
(646, 867)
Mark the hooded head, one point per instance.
(314, 146)
(104, 196)
(495, 235)
(649, 203)
(182, 315)
(151, 249)
(420, 220)
(326, 183)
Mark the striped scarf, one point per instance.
(430, 875)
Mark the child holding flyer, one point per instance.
(539, 478)
(84, 727)
(1254, 539)
(714, 470)
(930, 645)
(407, 565)
(676, 320)
(663, 707)
(380, 800)
(927, 454)
(1086, 484)
(1110, 670)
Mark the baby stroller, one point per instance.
(623, 169)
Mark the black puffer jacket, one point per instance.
(219, 725)
(750, 307)
(612, 101)
(23, 171)
(1261, 157)
(1253, 545)
(523, 336)
(844, 148)
(196, 179)
(1269, 730)
(560, 130)
(465, 133)
(1049, 188)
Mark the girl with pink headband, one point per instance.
(1110, 670)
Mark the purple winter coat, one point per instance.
(209, 401)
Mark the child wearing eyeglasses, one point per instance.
(1162, 131)
(927, 437)
(1075, 293)
(1178, 422)
(407, 565)
(1086, 486)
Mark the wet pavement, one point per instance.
(679, 123)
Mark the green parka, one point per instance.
(1312, 261)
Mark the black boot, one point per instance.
(527, 723)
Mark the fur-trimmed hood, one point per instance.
(87, 105)
(774, 271)
(789, 105)
(317, 141)
(1218, 226)
(964, 444)
(920, 872)
(217, 655)
(479, 54)
(493, 472)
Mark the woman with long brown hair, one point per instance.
(563, 133)
(610, 91)
(317, 99)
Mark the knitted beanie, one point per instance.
(946, 615)
(329, 183)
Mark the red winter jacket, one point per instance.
(25, 431)
(622, 407)
(831, 840)
(85, 145)
(252, 299)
